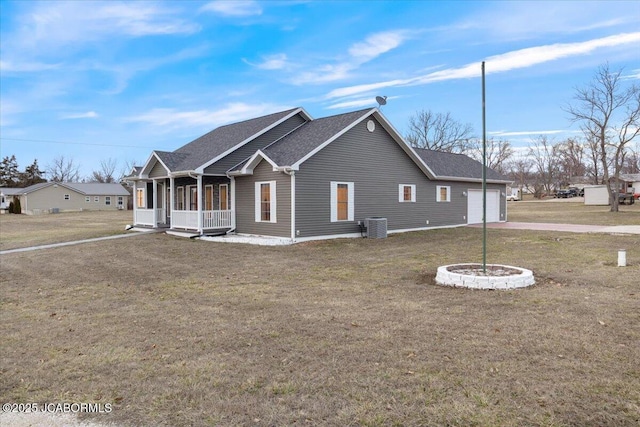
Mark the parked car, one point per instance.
(576, 191)
(512, 198)
(564, 194)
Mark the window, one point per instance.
(67, 197)
(406, 193)
(208, 198)
(224, 197)
(342, 201)
(193, 198)
(443, 193)
(120, 201)
(139, 198)
(96, 199)
(107, 200)
(266, 201)
(87, 199)
(180, 198)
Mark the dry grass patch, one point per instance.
(563, 211)
(178, 332)
(20, 231)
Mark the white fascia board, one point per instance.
(145, 173)
(253, 161)
(297, 164)
(200, 169)
(462, 179)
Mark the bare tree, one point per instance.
(437, 131)
(609, 115)
(572, 166)
(107, 171)
(545, 161)
(520, 173)
(63, 170)
(499, 152)
(632, 160)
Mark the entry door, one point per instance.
(160, 201)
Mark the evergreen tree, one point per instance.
(32, 175)
(9, 175)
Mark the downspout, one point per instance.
(289, 171)
(232, 190)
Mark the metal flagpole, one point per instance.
(484, 179)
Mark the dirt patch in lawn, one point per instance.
(178, 332)
(21, 231)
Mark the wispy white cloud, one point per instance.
(233, 8)
(522, 58)
(168, 119)
(356, 103)
(277, 61)
(25, 67)
(61, 24)
(359, 54)
(87, 115)
(526, 132)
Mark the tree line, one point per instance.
(60, 169)
(608, 112)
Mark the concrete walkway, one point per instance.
(75, 242)
(570, 228)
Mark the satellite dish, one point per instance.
(381, 100)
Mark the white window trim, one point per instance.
(96, 199)
(334, 201)
(189, 193)
(401, 193)
(120, 201)
(67, 197)
(87, 199)
(220, 199)
(272, 197)
(144, 198)
(107, 200)
(438, 198)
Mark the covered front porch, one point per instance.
(199, 204)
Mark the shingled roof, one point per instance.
(218, 141)
(307, 138)
(456, 165)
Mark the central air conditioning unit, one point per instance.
(376, 227)
(120, 207)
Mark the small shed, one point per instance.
(596, 195)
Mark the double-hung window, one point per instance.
(406, 193)
(107, 200)
(443, 193)
(139, 198)
(342, 201)
(265, 201)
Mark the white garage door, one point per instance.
(474, 206)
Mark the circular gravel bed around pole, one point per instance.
(472, 276)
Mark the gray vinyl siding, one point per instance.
(52, 197)
(245, 203)
(221, 166)
(158, 171)
(376, 165)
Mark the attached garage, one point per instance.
(474, 206)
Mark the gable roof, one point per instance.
(451, 165)
(207, 149)
(10, 191)
(630, 177)
(85, 188)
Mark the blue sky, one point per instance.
(97, 80)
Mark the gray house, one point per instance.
(290, 176)
(48, 197)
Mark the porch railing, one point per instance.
(144, 217)
(161, 215)
(210, 219)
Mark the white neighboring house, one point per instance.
(53, 197)
(6, 197)
(631, 182)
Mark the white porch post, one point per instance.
(154, 204)
(172, 202)
(233, 201)
(135, 202)
(199, 202)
